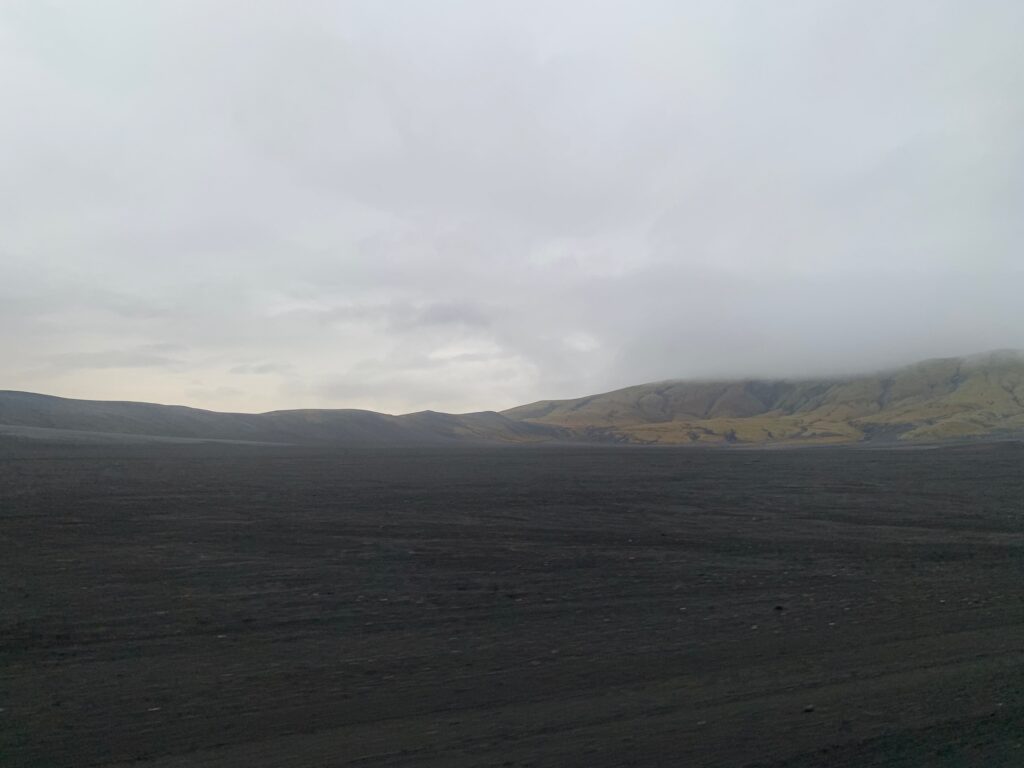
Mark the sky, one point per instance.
(253, 205)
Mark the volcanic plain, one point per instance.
(239, 605)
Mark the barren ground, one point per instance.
(205, 605)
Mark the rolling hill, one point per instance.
(937, 400)
(979, 397)
(29, 411)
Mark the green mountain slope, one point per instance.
(953, 398)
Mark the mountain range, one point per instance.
(967, 398)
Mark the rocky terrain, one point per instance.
(173, 605)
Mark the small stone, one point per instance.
(809, 708)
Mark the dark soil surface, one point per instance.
(204, 605)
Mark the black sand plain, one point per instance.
(218, 605)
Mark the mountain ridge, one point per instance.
(933, 400)
(346, 425)
(957, 398)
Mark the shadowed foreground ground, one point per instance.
(238, 606)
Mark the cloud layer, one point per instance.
(460, 205)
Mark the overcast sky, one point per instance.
(468, 205)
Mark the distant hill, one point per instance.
(980, 397)
(338, 427)
(937, 400)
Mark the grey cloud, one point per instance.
(409, 205)
(109, 359)
(261, 368)
(397, 316)
(449, 314)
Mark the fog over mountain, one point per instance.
(977, 398)
(248, 206)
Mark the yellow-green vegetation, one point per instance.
(947, 399)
